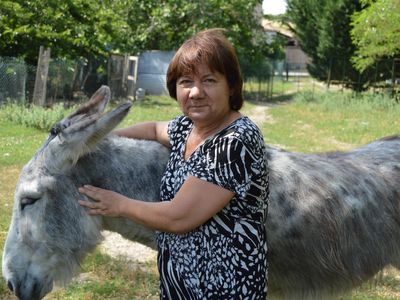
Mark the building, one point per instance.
(295, 58)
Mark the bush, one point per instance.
(337, 100)
(34, 116)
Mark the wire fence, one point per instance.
(279, 78)
(67, 80)
(14, 79)
(275, 79)
(71, 81)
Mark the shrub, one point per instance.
(359, 101)
(34, 116)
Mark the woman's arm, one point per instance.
(195, 203)
(155, 131)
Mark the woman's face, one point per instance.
(203, 96)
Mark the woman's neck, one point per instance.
(205, 130)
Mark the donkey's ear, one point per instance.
(95, 105)
(81, 137)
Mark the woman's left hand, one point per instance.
(105, 202)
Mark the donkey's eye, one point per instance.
(27, 201)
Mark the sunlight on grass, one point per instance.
(385, 285)
(8, 179)
(103, 277)
(329, 126)
(18, 143)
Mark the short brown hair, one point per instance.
(212, 48)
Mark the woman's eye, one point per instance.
(27, 201)
(209, 80)
(184, 81)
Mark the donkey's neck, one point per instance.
(131, 167)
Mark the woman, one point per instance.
(211, 239)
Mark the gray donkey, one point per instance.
(333, 221)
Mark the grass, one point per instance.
(307, 122)
(107, 278)
(18, 143)
(331, 121)
(279, 88)
(34, 116)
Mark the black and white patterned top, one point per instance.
(226, 257)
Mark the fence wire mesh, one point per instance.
(14, 79)
(275, 79)
(71, 81)
(67, 80)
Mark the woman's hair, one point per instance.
(212, 48)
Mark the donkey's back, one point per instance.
(334, 218)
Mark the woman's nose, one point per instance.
(196, 91)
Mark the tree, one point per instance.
(89, 30)
(84, 28)
(72, 28)
(323, 29)
(165, 24)
(376, 32)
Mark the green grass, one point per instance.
(331, 121)
(18, 143)
(254, 90)
(34, 116)
(108, 278)
(306, 122)
(281, 89)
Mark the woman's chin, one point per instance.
(198, 115)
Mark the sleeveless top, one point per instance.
(226, 257)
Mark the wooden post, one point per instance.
(328, 80)
(393, 76)
(131, 78)
(39, 92)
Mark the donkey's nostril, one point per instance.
(10, 286)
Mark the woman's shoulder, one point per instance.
(179, 124)
(246, 123)
(242, 133)
(181, 120)
(244, 129)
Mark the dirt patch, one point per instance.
(116, 246)
(259, 115)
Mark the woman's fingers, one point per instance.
(96, 212)
(88, 204)
(90, 191)
(93, 208)
(105, 202)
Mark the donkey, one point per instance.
(333, 220)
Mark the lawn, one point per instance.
(310, 122)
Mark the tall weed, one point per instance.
(349, 100)
(34, 116)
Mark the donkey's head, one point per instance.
(50, 232)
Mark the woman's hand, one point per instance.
(195, 203)
(106, 202)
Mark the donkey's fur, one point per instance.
(333, 222)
